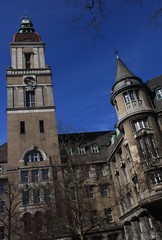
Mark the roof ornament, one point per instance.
(26, 24)
(116, 53)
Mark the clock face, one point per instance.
(30, 81)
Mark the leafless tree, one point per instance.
(10, 219)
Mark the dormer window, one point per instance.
(159, 94)
(81, 150)
(94, 148)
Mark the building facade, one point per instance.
(100, 185)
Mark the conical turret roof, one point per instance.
(122, 70)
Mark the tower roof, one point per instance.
(26, 32)
(26, 25)
(122, 71)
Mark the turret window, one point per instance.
(132, 98)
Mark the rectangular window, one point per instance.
(22, 127)
(24, 177)
(69, 151)
(147, 148)
(36, 196)
(89, 191)
(104, 190)
(41, 126)
(2, 232)
(93, 217)
(30, 99)
(108, 215)
(81, 150)
(140, 124)
(132, 98)
(35, 175)
(2, 187)
(25, 198)
(27, 60)
(2, 206)
(45, 174)
(47, 196)
(157, 177)
(94, 148)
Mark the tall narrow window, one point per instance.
(108, 215)
(30, 99)
(93, 217)
(35, 175)
(45, 174)
(36, 196)
(28, 60)
(41, 126)
(22, 127)
(25, 198)
(24, 177)
(159, 94)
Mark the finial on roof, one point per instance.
(26, 24)
(116, 53)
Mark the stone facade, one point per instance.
(99, 185)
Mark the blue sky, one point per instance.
(83, 68)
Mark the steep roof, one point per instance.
(122, 71)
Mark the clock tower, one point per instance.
(32, 134)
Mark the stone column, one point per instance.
(128, 231)
(135, 229)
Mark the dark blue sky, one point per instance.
(83, 68)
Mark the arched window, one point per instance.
(27, 222)
(33, 156)
(38, 221)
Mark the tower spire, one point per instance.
(122, 70)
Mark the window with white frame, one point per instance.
(81, 150)
(69, 151)
(95, 148)
(159, 94)
(132, 98)
(108, 215)
(140, 124)
(156, 177)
